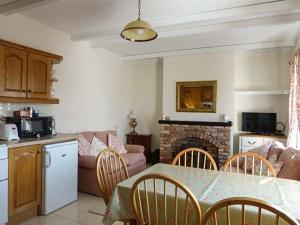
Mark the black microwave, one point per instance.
(32, 126)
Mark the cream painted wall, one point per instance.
(97, 89)
(147, 96)
(297, 46)
(261, 70)
(247, 70)
(94, 85)
(209, 66)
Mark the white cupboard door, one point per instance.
(246, 148)
(3, 169)
(252, 141)
(3, 152)
(3, 202)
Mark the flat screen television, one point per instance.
(260, 123)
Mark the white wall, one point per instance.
(94, 85)
(209, 66)
(261, 70)
(297, 46)
(248, 70)
(97, 89)
(147, 96)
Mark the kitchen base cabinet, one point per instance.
(24, 166)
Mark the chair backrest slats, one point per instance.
(174, 206)
(207, 163)
(111, 169)
(254, 164)
(242, 203)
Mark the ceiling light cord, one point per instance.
(139, 7)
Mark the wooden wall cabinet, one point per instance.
(25, 74)
(39, 76)
(25, 181)
(13, 72)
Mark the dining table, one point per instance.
(209, 187)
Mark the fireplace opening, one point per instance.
(191, 142)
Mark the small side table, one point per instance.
(141, 139)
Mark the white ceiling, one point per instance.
(183, 26)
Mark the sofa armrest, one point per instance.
(135, 148)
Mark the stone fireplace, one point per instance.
(213, 137)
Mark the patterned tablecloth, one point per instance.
(209, 187)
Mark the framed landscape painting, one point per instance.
(196, 96)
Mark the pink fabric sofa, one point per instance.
(87, 179)
(290, 159)
(291, 164)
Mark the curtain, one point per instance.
(294, 103)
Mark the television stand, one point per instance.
(249, 141)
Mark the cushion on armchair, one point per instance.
(291, 164)
(116, 143)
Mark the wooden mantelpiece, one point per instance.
(203, 123)
(26, 74)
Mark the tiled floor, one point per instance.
(74, 214)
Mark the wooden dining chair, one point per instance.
(159, 199)
(253, 163)
(111, 169)
(227, 210)
(198, 158)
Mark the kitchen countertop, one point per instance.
(39, 141)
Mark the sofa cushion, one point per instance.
(89, 161)
(275, 152)
(103, 135)
(84, 146)
(88, 135)
(262, 150)
(116, 143)
(97, 146)
(133, 158)
(291, 164)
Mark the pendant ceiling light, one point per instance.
(139, 30)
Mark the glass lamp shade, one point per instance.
(139, 31)
(133, 116)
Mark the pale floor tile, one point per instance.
(74, 214)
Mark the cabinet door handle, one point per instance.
(23, 91)
(29, 91)
(251, 143)
(47, 159)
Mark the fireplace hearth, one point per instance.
(192, 142)
(213, 137)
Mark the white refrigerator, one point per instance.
(60, 171)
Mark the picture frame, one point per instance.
(196, 96)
